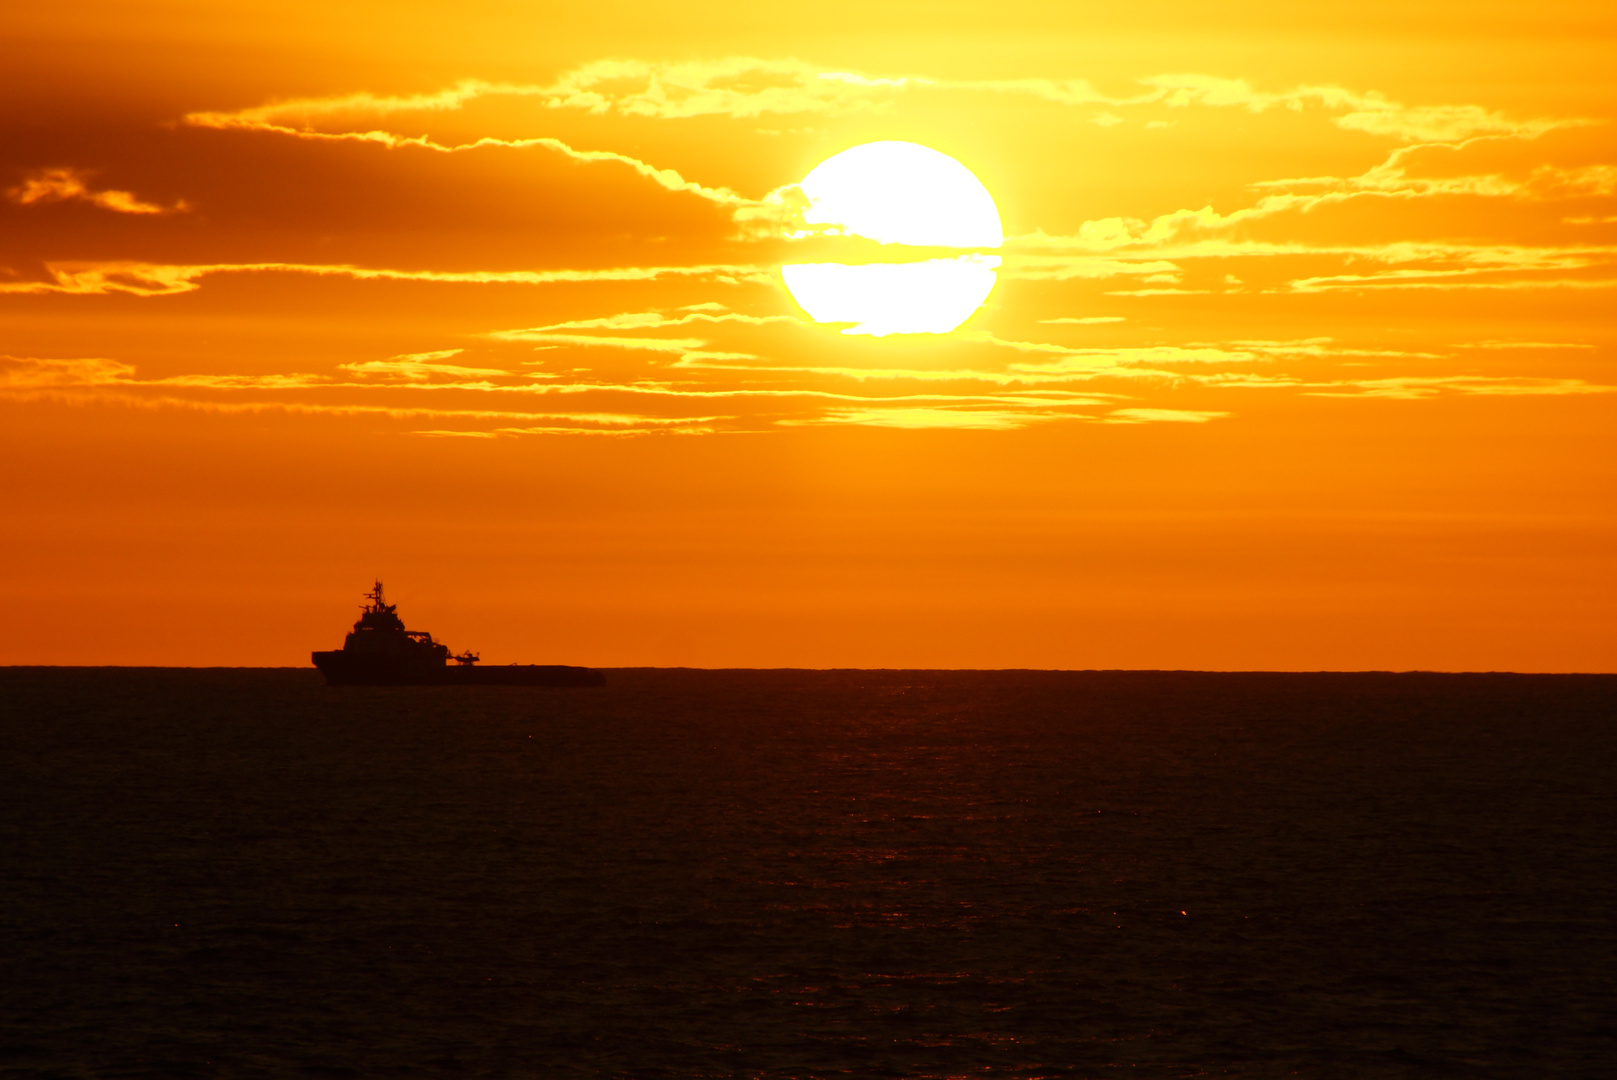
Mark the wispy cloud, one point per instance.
(1161, 416)
(169, 279)
(1159, 292)
(1400, 176)
(629, 362)
(31, 372)
(1446, 279)
(746, 88)
(1118, 247)
(1532, 345)
(752, 87)
(984, 419)
(1365, 111)
(915, 418)
(419, 367)
(1417, 387)
(1142, 249)
(66, 184)
(743, 88)
(609, 424)
(648, 320)
(263, 119)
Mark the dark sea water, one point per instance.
(245, 873)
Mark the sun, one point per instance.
(898, 193)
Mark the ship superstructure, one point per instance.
(379, 651)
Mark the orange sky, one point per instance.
(1301, 353)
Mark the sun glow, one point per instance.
(897, 193)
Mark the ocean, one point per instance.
(800, 874)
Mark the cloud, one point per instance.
(746, 88)
(917, 418)
(1116, 246)
(705, 367)
(1418, 387)
(652, 320)
(116, 381)
(289, 381)
(1396, 177)
(751, 87)
(69, 184)
(254, 120)
(1142, 354)
(1159, 292)
(680, 346)
(1445, 123)
(709, 387)
(32, 372)
(419, 367)
(1027, 267)
(1171, 240)
(1444, 279)
(692, 352)
(1534, 345)
(168, 279)
(738, 87)
(29, 372)
(1016, 375)
(611, 424)
(774, 214)
(1369, 112)
(1082, 250)
(99, 379)
(1161, 416)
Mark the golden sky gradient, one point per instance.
(1301, 353)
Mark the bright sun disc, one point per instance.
(898, 193)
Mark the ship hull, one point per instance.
(379, 669)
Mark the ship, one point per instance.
(379, 651)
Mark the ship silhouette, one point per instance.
(379, 651)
